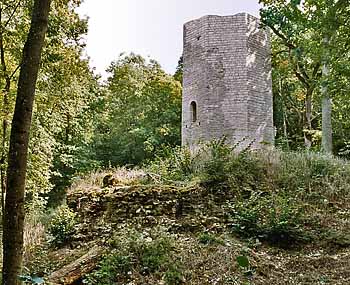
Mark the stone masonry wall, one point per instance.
(227, 73)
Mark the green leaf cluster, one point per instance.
(62, 226)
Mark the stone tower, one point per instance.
(227, 86)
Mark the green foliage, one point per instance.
(243, 261)
(215, 165)
(275, 219)
(140, 113)
(174, 275)
(310, 173)
(154, 255)
(39, 170)
(62, 226)
(110, 269)
(246, 172)
(216, 157)
(244, 264)
(209, 239)
(218, 166)
(299, 53)
(65, 92)
(178, 76)
(174, 164)
(271, 189)
(146, 253)
(247, 216)
(284, 221)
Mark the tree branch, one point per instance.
(12, 14)
(16, 69)
(281, 36)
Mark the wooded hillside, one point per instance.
(110, 197)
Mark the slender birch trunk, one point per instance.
(19, 140)
(327, 132)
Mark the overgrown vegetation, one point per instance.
(150, 254)
(239, 202)
(275, 219)
(216, 206)
(62, 226)
(276, 193)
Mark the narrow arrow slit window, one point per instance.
(194, 111)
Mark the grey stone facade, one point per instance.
(227, 85)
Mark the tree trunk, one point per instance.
(327, 145)
(19, 139)
(6, 111)
(73, 272)
(308, 118)
(284, 113)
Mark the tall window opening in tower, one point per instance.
(194, 111)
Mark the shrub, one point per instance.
(154, 255)
(215, 157)
(311, 175)
(276, 219)
(209, 239)
(174, 276)
(62, 225)
(216, 165)
(247, 217)
(114, 267)
(246, 171)
(174, 164)
(284, 221)
(144, 253)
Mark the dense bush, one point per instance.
(177, 164)
(112, 268)
(311, 176)
(62, 225)
(275, 218)
(215, 158)
(217, 165)
(148, 254)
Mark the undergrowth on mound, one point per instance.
(147, 254)
(267, 197)
(278, 195)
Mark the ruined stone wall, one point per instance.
(227, 73)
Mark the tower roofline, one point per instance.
(240, 14)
